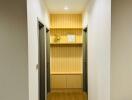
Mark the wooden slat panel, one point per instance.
(66, 20)
(66, 59)
(65, 81)
(74, 81)
(58, 81)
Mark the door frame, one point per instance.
(41, 91)
(48, 59)
(85, 59)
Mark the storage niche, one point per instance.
(66, 51)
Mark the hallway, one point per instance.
(67, 96)
(48, 46)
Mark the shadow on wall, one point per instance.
(91, 3)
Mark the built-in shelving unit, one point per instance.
(62, 36)
(66, 51)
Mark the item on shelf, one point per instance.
(71, 38)
(57, 38)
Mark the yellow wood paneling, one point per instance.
(65, 81)
(66, 73)
(58, 81)
(66, 20)
(66, 59)
(67, 90)
(74, 81)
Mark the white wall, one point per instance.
(121, 67)
(99, 35)
(36, 8)
(85, 17)
(13, 50)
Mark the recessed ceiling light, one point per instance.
(66, 8)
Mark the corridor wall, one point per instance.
(98, 17)
(13, 50)
(121, 50)
(36, 10)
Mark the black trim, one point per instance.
(85, 57)
(47, 30)
(41, 57)
(48, 58)
(85, 29)
(40, 25)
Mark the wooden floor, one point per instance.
(67, 96)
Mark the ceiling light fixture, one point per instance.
(66, 8)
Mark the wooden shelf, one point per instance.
(66, 43)
(66, 73)
(80, 28)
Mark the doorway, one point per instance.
(41, 51)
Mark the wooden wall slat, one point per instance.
(66, 20)
(66, 59)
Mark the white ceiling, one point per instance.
(57, 6)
